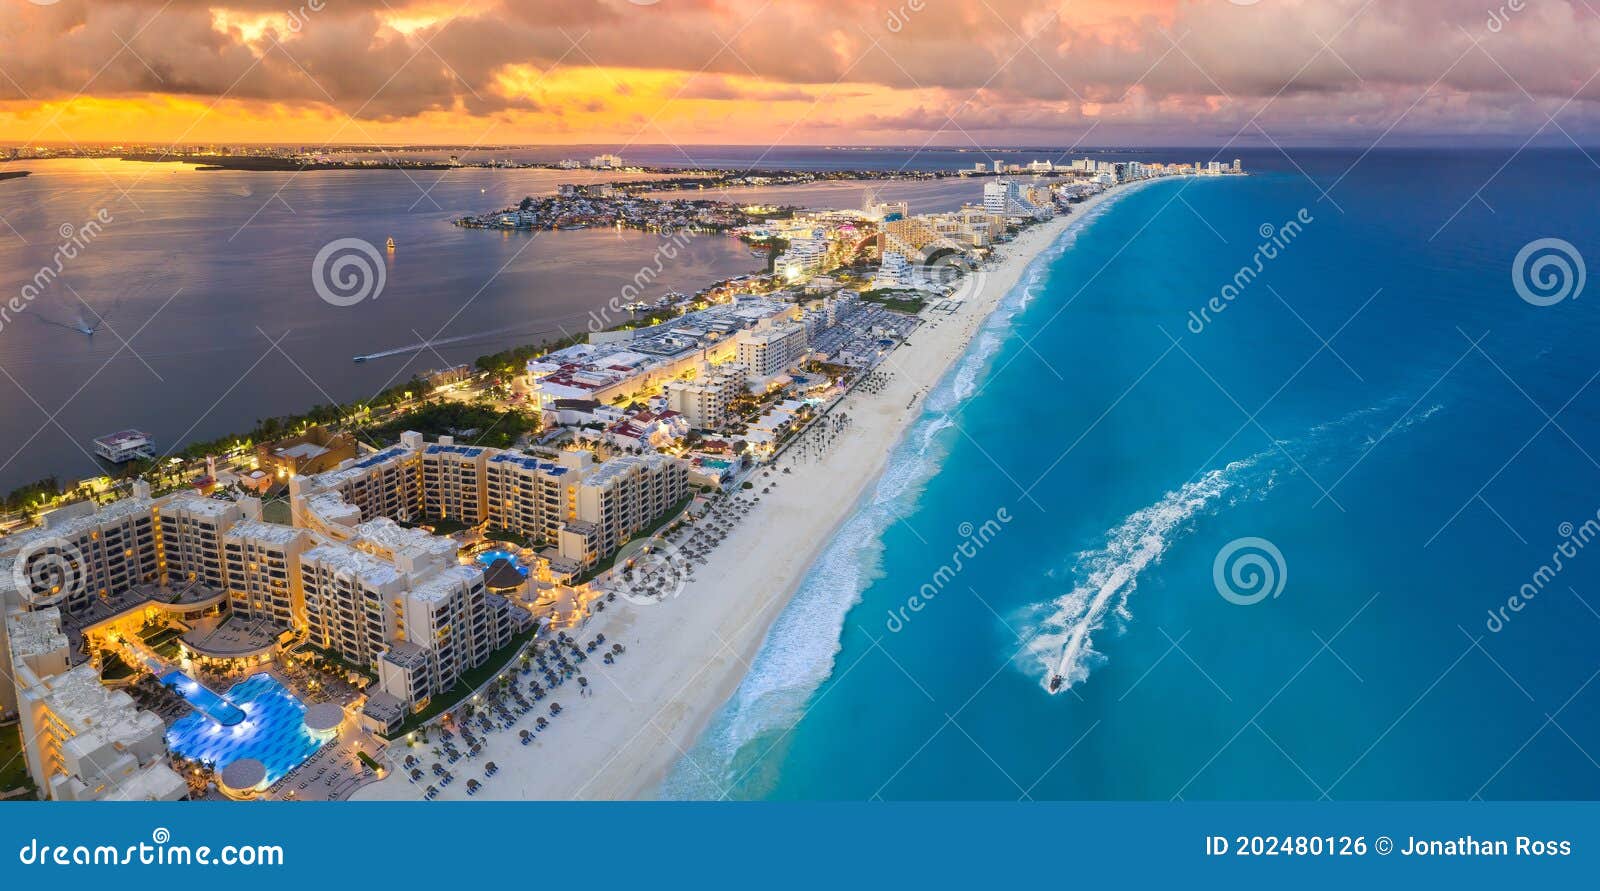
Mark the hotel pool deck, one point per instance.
(258, 718)
(489, 558)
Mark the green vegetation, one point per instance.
(33, 495)
(13, 764)
(508, 362)
(497, 429)
(329, 661)
(444, 526)
(277, 511)
(496, 533)
(469, 683)
(156, 635)
(113, 667)
(898, 301)
(369, 761)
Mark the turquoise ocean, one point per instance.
(1327, 541)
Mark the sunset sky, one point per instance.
(903, 72)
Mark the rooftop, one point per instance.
(305, 450)
(388, 535)
(446, 583)
(123, 439)
(35, 633)
(265, 533)
(406, 654)
(95, 715)
(464, 451)
(196, 504)
(528, 462)
(345, 560)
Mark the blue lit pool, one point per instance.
(270, 725)
(215, 707)
(490, 558)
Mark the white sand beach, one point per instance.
(687, 655)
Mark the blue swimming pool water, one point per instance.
(271, 726)
(215, 707)
(489, 558)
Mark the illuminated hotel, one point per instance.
(82, 741)
(347, 577)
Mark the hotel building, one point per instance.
(531, 496)
(81, 741)
(108, 551)
(625, 495)
(189, 543)
(396, 600)
(453, 481)
(768, 351)
(704, 401)
(258, 561)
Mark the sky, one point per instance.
(820, 72)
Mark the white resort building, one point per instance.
(347, 577)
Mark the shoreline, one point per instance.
(688, 656)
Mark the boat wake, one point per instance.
(86, 323)
(1109, 575)
(1060, 631)
(442, 341)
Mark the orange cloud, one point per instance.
(955, 71)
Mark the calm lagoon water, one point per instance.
(198, 274)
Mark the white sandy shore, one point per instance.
(685, 657)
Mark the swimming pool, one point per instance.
(270, 728)
(215, 707)
(489, 558)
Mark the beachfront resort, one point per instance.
(310, 625)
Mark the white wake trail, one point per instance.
(1112, 573)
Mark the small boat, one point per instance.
(390, 243)
(1056, 681)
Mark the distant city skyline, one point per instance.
(803, 72)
